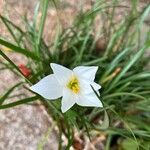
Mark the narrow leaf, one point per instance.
(127, 67)
(17, 49)
(13, 65)
(5, 96)
(20, 102)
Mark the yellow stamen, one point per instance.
(73, 85)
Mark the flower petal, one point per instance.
(86, 86)
(86, 72)
(48, 87)
(68, 100)
(89, 100)
(95, 86)
(62, 73)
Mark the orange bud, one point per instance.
(25, 71)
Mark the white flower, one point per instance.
(74, 86)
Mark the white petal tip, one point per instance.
(100, 104)
(96, 68)
(63, 110)
(52, 64)
(32, 88)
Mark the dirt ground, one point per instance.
(24, 127)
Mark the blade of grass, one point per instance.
(116, 35)
(11, 31)
(36, 11)
(42, 22)
(45, 137)
(12, 24)
(20, 102)
(5, 96)
(123, 94)
(94, 62)
(127, 67)
(144, 14)
(13, 65)
(115, 61)
(127, 126)
(105, 123)
(140, 76)
(17, 49)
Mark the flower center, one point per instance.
(73, 85)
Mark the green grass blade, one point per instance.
(35, 17)
(5, 96)
(140, 76)
(145, 13)
(11, 30)
(45, 137)
(42, 22)
(110, 96)
(127, 67)
(13, 65)
(105, 123)
(20, 102)
(94, 62)
(17, 49)
(11, 23)
(115, 62)
(116, 35)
